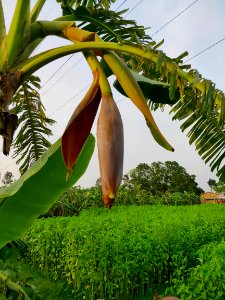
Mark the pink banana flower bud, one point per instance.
(110, 148)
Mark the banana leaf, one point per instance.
(156, 91)
(34, 193)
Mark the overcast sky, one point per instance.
(197, 28)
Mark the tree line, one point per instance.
(165, 183)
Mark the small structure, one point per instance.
(212, 197)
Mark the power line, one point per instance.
(60, 78)
(74, 53)
(74, 96)
(121, 100)
(70, 99)
(199, 53)
(174, 18)
(120, 5)
(134, 8)
(57, 71)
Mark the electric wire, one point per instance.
(57, 71)
(121, 100)
(74, 96)
(204, 50)
(69, 100)
(186, 8)
(61, 77)
(73, 54)
(201, 52)
(133, 8)
(120, 5)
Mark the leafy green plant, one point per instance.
(12, 284)
(206, 280)
(77, 199)
(17, 276)
(7, 178)
(180, 198)
(67, 205)
(14, 287)
(124, 253)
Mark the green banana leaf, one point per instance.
(34, 193)
(156, 91)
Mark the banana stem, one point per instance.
(38, 61)
(96, 67)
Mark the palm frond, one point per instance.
(110, 25)
(31, 141)
(205, 129)
(67, 5)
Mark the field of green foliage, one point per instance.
(124, 253)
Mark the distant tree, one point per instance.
(159, 178)
(98, 183)
(219, 187)
(7, 178)
(138, 176)
(211, 183)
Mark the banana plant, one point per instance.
(105, 56)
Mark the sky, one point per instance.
(197, 28)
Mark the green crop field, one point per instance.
(127, 252)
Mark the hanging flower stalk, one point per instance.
(109, 137)
(109, 128)
(109, 132)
